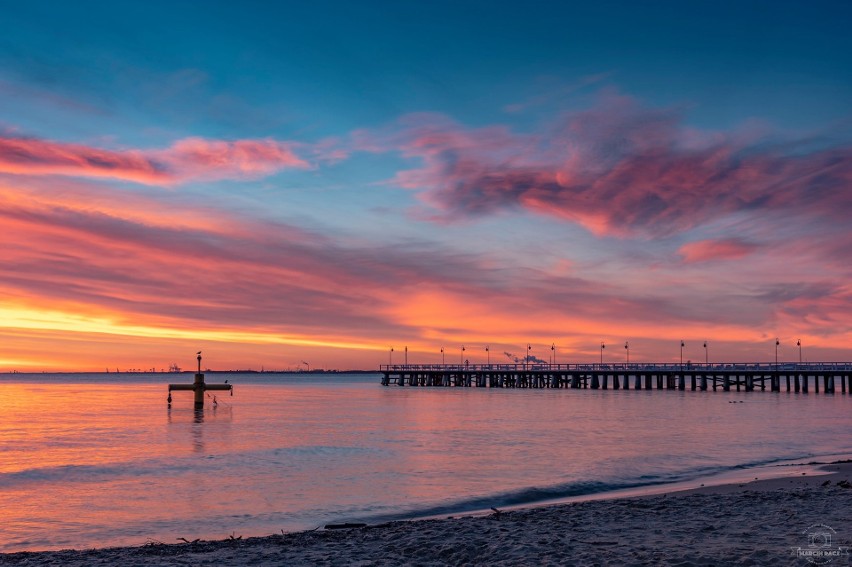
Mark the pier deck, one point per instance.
(836, 377)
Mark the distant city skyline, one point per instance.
(322, 182)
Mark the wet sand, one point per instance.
(759, 523)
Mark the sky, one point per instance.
(312, 184)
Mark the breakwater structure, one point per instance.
(826, 377)
(199, 387)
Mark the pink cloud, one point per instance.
(43, 157)
(708, 250)
(620, 169)
(199, 158)
(186, 160)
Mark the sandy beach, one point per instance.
(771, 522)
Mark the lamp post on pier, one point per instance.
(443, 357)
(777, 342)
(553, 352)
(799, 344)
(488, 354)
(603, 346)
(706, 356)
(627, 348)
(406, 355)
(461, 356)
(681, 355)
(390, 357)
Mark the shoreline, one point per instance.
(738, 476)
(761, 522)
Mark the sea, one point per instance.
(98, 460)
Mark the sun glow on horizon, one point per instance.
(100, 329)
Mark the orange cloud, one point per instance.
(76, 262)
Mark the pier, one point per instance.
(816, 377)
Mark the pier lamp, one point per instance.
(706, 356)
(390, 357)
(799, 344)
(627, 348)
(488, 354)
(443, 358)
(681, 355)
(461, 356)
(603, 346)
(777, 342)
(553, 352)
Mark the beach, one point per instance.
(764, 522)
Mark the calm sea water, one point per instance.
(99, 460)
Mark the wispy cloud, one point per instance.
(199, 158)
(27, 156)
(188, 159)
(550, 91)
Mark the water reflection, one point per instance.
(95, 470)
(198, 431)
(193, 422)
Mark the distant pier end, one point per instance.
(836, 377)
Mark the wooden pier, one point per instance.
(825, 377)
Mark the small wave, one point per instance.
(538, 495)
(211, 463)
(65, 473)
(326, 450)
(90, 473)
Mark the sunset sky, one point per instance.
(294, 183)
